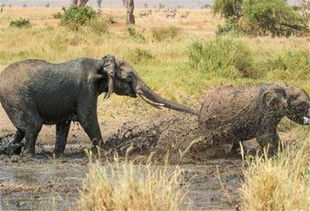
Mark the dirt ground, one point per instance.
(44, 182)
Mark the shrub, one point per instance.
(139, 55)
(125, 186)
(271, 16)
(230, 27)
(20, 23)
(281, 183)
(260, 17)
(135, 35)
(75, 16)
(163, 33)
(289, 64)
(222, 56)
(57, 15)
(228, 8)
(99, 26)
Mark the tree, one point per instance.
(99, 3)
(81, 4)
(130, 6)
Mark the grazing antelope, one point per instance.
(171, 13)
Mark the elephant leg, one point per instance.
(29, 124)
(62, 131)
(90, 125)
(269, 140)
(18, 137)
(31, 136)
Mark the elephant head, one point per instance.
(298, 105)
(124, 80)
(289, 101)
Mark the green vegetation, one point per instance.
(280, 183)
(135, 35)
(260, 17)
(139, 55)
(127, 186)
(75, 16)
(57, 15)
(20, 23)
(223, 57)
(163, 33)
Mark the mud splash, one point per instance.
(47, 183)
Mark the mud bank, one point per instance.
(44, 182)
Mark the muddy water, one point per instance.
(45, 184)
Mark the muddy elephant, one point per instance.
(36, 92)
(232, 114)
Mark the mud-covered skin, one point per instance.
(36, 92)
(231, 114)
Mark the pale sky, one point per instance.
(114, 3)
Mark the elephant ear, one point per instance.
(275, 99)
(109, 68)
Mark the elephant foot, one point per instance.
(27, 153)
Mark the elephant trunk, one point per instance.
(155, 100)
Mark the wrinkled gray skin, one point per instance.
(36, 92)
(231, 114)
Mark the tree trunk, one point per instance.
(83, 3)
(130, 6)
(74, 2)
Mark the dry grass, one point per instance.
(281, 183)
(127, 186)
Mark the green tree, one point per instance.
(271, 16)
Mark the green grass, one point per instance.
(281, 183)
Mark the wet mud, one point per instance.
(44, 182)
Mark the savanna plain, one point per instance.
(163, 175)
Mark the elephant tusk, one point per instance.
(156, 105)
(110, 88)
(306, 120)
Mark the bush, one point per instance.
(222, 56)
(57, 15)
(75, 16)
(271, 16)
(260, 17)
(125, 186)
(230, 27)
(281, 183)
(228, 8)
(135, 35)
(289, 64)
(20, 23)
(163, 33)
(99, 26)
(139, 55)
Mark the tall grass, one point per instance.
(128, 186)
(281, 183)
(222, 56)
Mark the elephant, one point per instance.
(233, 114)
(36, 92)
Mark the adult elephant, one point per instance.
(233, 114)
(36, 92)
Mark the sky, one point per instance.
(192, 4)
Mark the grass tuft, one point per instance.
(163, 33)
(21, 23)
(222, 56)
(139, 55)
(126, 186)
(281, 183)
